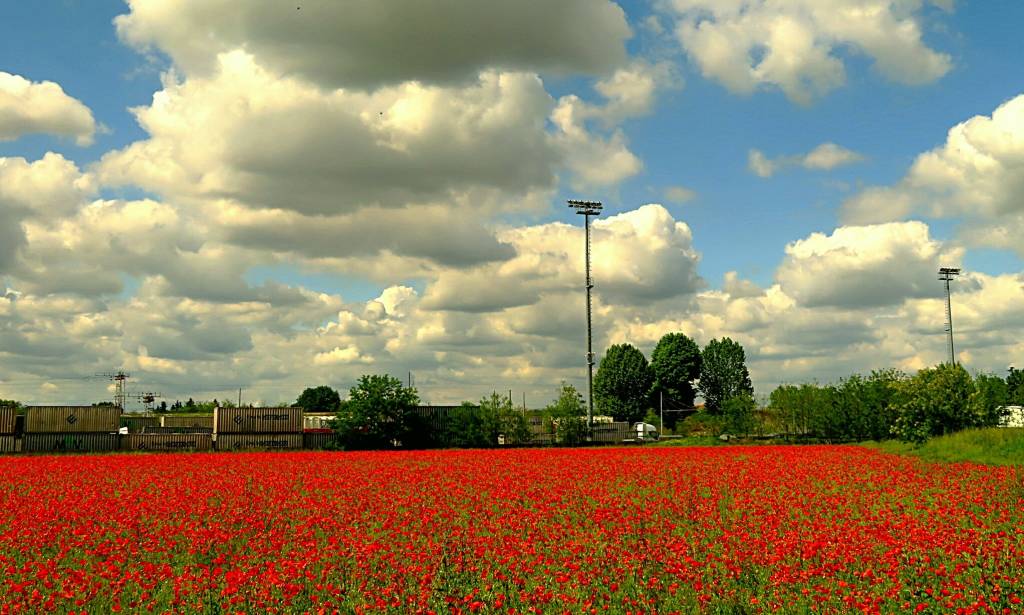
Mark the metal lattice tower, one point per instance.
(119, 377)
(947, 274)
(587, 209)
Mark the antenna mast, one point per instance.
(947, 274)
(587, 209)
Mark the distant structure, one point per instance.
(587, 209)
(947, 274)
(119, 377)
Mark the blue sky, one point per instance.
(692, 131)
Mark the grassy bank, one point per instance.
(995, 446)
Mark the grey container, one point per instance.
(70, 442)
(7, 420)
(136, 423)
(174, 430)
(72, 419)
(235, 442)
(8, 444)
(167, 442)
(257, 421)
(319, 441)
(204, 421)
(612, 433)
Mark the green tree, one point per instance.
(723, 373)
(379, 413)
(483, 425)
(467, 428)
(675, 365)
(622, 385)
(988, 402)
(567, 416)
(934, 402)
(738, 412)
(319, 399)
(1015, 387)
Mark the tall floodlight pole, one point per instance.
(946, 274)
(587, 209)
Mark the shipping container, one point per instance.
(137, 422)
(319, 440)
(6, 420)
(318, 421)
(8, 444)
(612, 433)
(257, 420)
(167, 442)
(68, 442)
(232, 442)
(72, 419)
(188, 420)
(173, 430)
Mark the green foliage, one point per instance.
(990, 445)
(319, 399)
(988, 401)
(480, 425)
(622, 385)
(738, 414)
(934, 402)
(1015, 387)
(675, 364)
(9, 403)
(378, 414)
(702, 424)
(566, 416)
(723, 373)
(856, 408)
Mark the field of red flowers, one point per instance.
(623, 530)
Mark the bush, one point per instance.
(738, 414)
(936, 401)
(481, 425)
(565, 417)
(702, 424)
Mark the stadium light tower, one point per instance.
(587, 209)
(947, 274)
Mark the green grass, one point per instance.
(993, 446)
(688, 441)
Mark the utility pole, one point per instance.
(661, 411)
(947, 274)
(587, 209)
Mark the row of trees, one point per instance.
(381, 413)
(888, 403)
(626, 386)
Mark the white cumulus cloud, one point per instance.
(796, 45)
(28, 107)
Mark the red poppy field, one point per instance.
(623, 530)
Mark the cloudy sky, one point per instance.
(213, 194)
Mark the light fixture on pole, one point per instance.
(587, 209)
(947, 274)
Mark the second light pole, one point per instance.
(587, 209)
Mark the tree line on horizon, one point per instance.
(884, 404)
